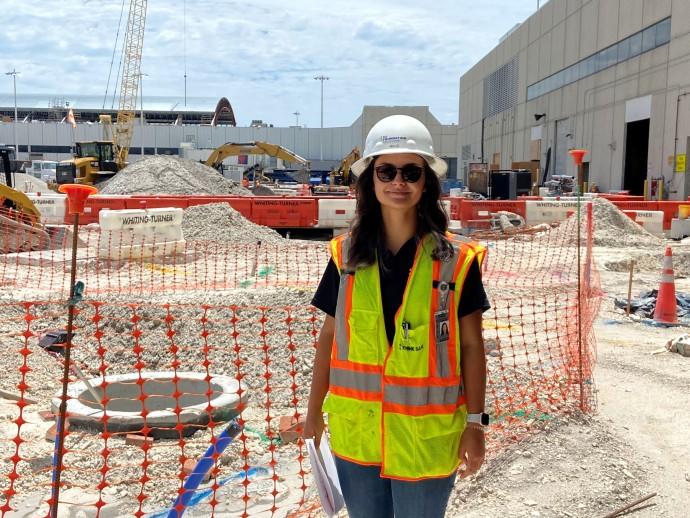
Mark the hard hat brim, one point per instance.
(437, 165)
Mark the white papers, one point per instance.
(325, 475)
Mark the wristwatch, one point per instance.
(480, 419)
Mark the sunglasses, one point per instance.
(410, 172)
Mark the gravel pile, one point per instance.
(652, 262)
(162, 174)
(612, 228)
(26, 183)
(220, 222)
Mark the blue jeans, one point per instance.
(367, 495)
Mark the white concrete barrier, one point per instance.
(53, 207)
(680, 228)
(651, 220)
(140, 233)
(334, 213)
(537, 211)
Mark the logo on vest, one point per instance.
(405, 344)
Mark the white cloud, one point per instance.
(263, 55)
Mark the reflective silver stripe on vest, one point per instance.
(342, 343)
(364, 381)
(421, 396)
(442, 361)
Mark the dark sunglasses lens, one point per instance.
(386, 172)
(411, 173)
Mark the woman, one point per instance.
(400, 353)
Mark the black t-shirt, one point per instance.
(393, 282)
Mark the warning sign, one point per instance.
(680, 163)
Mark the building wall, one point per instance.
(591, 112)
(306, 142)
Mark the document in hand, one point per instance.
(325, 475)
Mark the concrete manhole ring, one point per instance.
(129, 394)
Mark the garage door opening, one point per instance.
(636, 149)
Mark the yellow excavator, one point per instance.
(255, 147)
(341, 175)
(13, 201)
(20, 220)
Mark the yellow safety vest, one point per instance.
(399, 405)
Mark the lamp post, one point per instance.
(321, 78)
(14, 81)
(141, 116)
(296, 114)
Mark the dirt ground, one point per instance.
(637, 443)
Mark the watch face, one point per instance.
(485, 419)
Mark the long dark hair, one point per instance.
(367, 228)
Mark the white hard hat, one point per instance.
(399, 134)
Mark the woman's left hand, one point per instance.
(472, 450)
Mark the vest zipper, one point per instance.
(403, 304)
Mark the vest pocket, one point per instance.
(355, 428)
(422, 446)
(410, 356)
(438, 442)
(364, 333)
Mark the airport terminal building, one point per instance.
(40, 138)
(609, 76)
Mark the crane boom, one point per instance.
(131, 75)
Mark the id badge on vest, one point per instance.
(441, 326)
(441, 322)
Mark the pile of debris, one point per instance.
(26, 183)
(653, 262)
(645, 304)
(162, 174)
(220, 222)
(612, 228)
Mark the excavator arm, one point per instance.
(343, 170)
(253, 148)
(18, 201)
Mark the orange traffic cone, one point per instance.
(665, 311)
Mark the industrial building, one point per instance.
(609, 76)
(53, 140)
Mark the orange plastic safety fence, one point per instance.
(172, 376)
(35, 262)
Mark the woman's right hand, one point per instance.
(313, 427)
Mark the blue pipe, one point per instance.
(55, 457)
(201, 494)
(202, 467)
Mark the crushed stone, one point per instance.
(163, 174)
(652, 262)
(26, 183)
(220, 222)
(612, 228)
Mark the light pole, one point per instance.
(296, 114)
(321, 78)
(141, 116)
(14, 81)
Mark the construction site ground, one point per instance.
(635, 444)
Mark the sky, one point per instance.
(263, 55)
